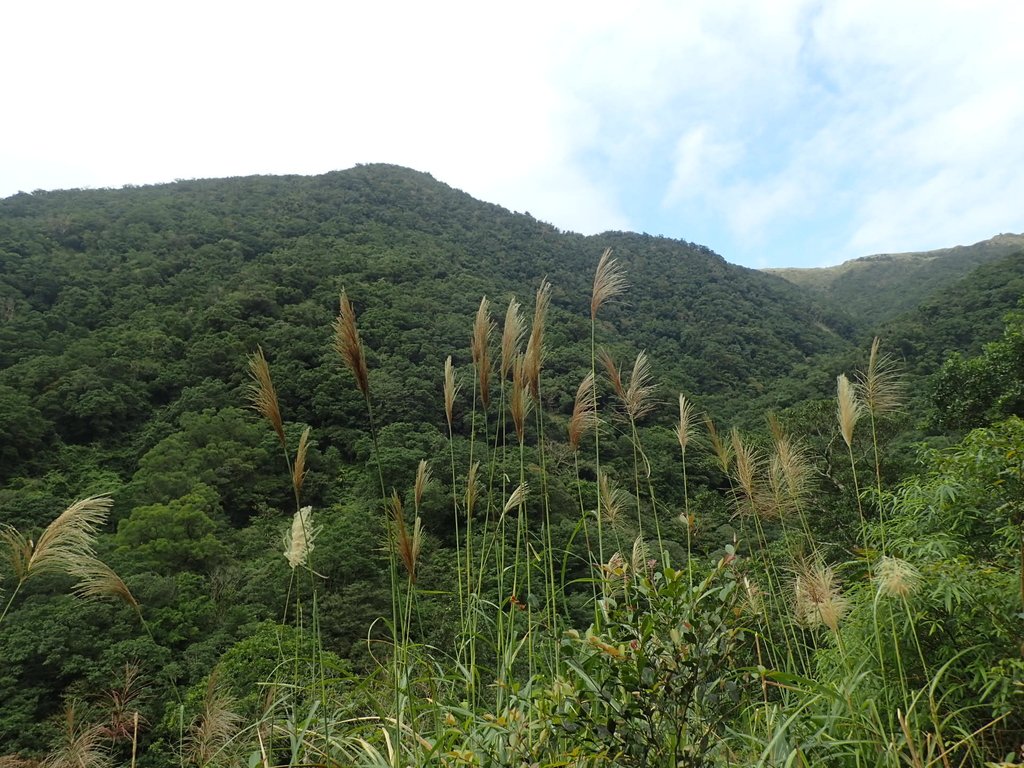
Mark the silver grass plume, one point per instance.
(422, 481)
(511, 338)
(721, 449)
(609, 282)
(481, 349)
(212, 731)
(684, 427)
(298, 540)
(817, 599)
(299, 468)
(517, 498)
(472, 488)
(895, 577)
(533, 360)
(451, 390)
(848, 409)
(584, 414)
(82, 744)
(639, 398)
(349, 346)
(880, 387)
(408, 545)
(263, 395)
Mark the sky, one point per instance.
(782, 133)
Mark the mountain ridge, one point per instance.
(880, 287)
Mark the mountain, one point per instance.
(119, 306)
(959, 317)
(878, 288)
(128, 323)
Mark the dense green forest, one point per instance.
(878, 288)
(465, 517)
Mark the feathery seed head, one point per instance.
(719, 447)
(481, 349)
(408, 545)
(639, 399)
(511, 337)
(880, 387)
(18, 550)
(896, 577)
(614, 500)
(422, 479)
(640, 561)
(517, 498)
(817, 600)
(584, 412)
(96, 580)
(790, 471)
(753, 601)
(613, 372)
(451, 389)
(849, 408)
(262, 394)
(299, 468)
(215, 727)
(472, 488)
(747, 467)
(348, 344)
(616, 573)
(298, 539)
(534, 358)
(519, 403)
(684, 428)
(68, 540)
(609, 282)
(81, 743)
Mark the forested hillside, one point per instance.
(125, 309)
(461, 515)
(874, 289)
(960, 317)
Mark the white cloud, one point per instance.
(894, 123)
(700, 161)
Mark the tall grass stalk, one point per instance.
(880, 390)
(517, 690)
(609, 283)
(684, 433)
(349, 346)
(535, 355)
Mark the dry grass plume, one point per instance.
(534, 358)
(848, 408)
(880, 387)
(584, 412)
(609, 282)
(263, 395)
(350, 346)
(511, 338)
(480, 346)
(299, 468)
(451, 390)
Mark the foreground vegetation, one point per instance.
(566, 580)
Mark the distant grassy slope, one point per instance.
(961, 317)
(877, 288)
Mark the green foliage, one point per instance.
(125, 321)
(224, 450)
(660, 681)
(976, 391)
(179, 535)
(875, 289)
